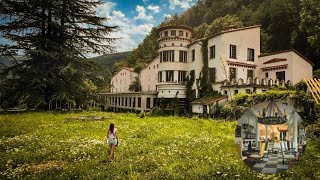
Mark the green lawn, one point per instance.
(48, 146)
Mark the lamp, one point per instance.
(272, 115)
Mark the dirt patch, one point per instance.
(47, 166)
(88, 118)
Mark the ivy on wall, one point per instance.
(203, 83)
(191, 95)
(235, 108)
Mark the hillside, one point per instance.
(108, 60)
(284, 25)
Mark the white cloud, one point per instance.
(155, 9)
(167, 15)
(104, 10)
(131, 33)
(142, 14)
(184, 4)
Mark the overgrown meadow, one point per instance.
(49, 146)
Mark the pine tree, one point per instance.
(55, 36)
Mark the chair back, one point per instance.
(282, 150)
(284, 146)
(263, 146)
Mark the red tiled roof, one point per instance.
(274, 67)
(208, 100)
(275, 60)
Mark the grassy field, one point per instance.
(48, 146)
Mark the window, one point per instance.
(180, 33)
(139, 102)
(250, 73)
(129, 101)
(148, 103)
(233, 72)
(233, 51)
(212, 75)
(235, 92)
(183, 56)
(225, 92)
(172, 44)
(166, 34)
(126, 101)
(160, 76)
(173, 33)
(248, 91)
(167, 56)
(250, 54)
(169, 76)
(193, 55)
(187, 34)
(133, 102)
(182, 76)
(122, 101)
(267, 75)
(212, 52)
(281, 75)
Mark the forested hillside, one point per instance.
(285, 24)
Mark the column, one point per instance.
(295, 132)
(266, 132)
(257, 134)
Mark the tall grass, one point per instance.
(49, 146)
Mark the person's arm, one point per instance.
(116, 134)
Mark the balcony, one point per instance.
(172, 90)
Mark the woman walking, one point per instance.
(112, 140)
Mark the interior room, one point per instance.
(271, 137)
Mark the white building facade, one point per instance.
(235, 65)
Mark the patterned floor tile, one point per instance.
(269, 170)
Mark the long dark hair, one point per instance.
(111, 127)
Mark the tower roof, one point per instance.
(174, 27)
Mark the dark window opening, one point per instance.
(233, 51)
(182, 76)
(250, 73)
(281, 75)
(169, 76)
(193, 55)
(212, 52)
(139, 102)
(233, 73)
(148, 103)
(183, 55)
(173, 33)
(250, 54)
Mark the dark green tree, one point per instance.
(310, 15)
(135, 86)
(55, 36)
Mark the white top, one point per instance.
(112, 135)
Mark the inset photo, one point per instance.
(271, 137)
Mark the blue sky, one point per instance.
(137, 17)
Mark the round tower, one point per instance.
(173, 67)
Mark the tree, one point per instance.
(310, 15)
(55, 36)
(223, 23)
(135, 86)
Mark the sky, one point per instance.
(136, 18)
